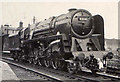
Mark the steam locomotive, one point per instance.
(70, 40)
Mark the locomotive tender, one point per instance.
(64, 41)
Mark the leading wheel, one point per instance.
(72, 68)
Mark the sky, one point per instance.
(14, 12)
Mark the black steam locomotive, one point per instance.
(66, 41)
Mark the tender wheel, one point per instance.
(35, 61)
(72, 68)
(30, 60)
(46, 63)
(40, 62)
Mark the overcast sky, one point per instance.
(13, 12)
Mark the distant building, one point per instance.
(112, 44)
(8, 29)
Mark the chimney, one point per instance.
(20, 24)
(72, 9)
(28, 25)
(6, 25)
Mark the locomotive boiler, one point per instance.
(63, 41)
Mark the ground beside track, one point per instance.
(26, 75)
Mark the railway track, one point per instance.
(106, 75)
(45, 76)
(60, 76)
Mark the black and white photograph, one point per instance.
(59, 41)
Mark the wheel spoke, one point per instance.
(55, 64)
(47, 63)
